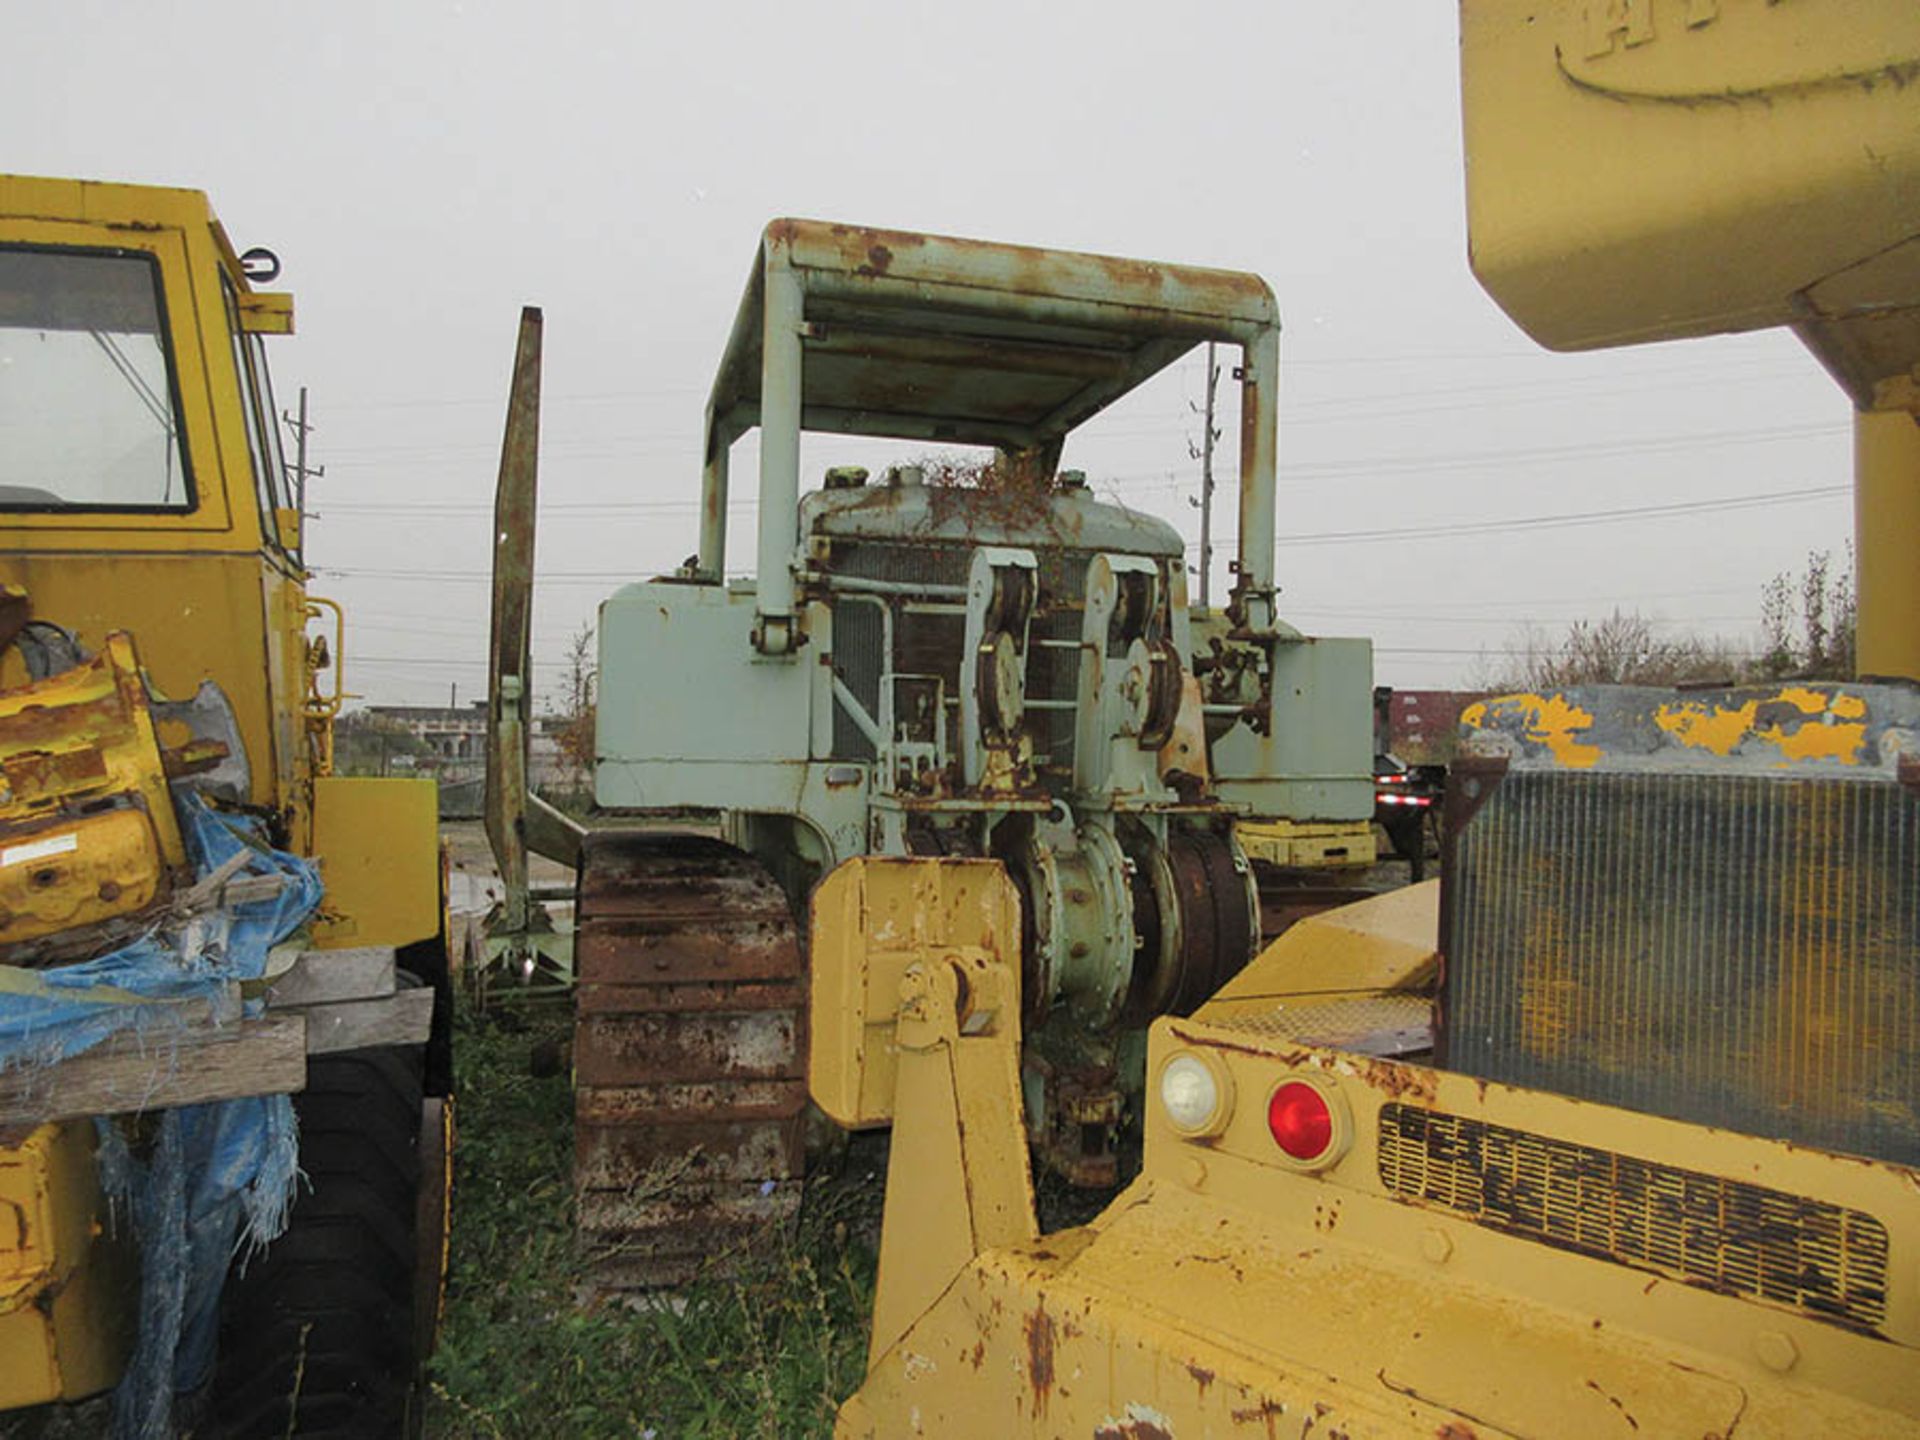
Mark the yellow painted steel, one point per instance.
(1650, 169)
(87, 829)
(1307, 845)
(1887, 544)
(63, 1333)
(916, 1019)
(324, 705)
(1231, 1291)
(1705, 725)
(378, 843)
(872, 920)
(1469, 1258)
(1379, 945)
(205, 591)
(1552, 720)
(263, 312)
(213, 592)
(1821, 723)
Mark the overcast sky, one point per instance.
(425, 169)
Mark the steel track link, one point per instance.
(689, 1057)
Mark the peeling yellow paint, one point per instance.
(1814, 741)
(1808, 702)
(1553, 721)
(1818, 737)
(1700, 726)
(1834, 726)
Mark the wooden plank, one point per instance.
(254, 1057)
(403, 1018)
(321, 977)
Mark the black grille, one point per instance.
(1729, 949)
(1735, 1238)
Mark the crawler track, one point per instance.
(689, 1057)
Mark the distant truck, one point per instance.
(1415, 733)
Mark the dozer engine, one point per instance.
(961, 659)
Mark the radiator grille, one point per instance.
(1729, 1236)
(1737, 950)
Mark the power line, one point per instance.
(1288, 362)
(442, 662)
(1575, 520)
(1572, 520)
(1636, 598)
(1458, 651)
(1293, 612)
(1295, 473)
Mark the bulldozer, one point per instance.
(168, 687)
(1613, 1128)
(975, 659)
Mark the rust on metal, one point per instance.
(1039, 1331)
(1213, 925)
(1398, 1081)
(1265, 1413)
(689, 1056)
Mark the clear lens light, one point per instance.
(1189, 1093)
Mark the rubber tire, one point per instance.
(327, 1310)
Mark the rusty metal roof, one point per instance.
(966, 341)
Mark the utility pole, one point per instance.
(301, 474)
(1205, 456)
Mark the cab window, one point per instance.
(263, 435)
(89, 407)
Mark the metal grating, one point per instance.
(1736, 1238)
(1729, 949)
(1374, 1025)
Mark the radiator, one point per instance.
(1699, 906)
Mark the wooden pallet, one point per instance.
(328, 1000)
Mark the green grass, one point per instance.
(768, 1351)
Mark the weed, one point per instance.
(767, 1351)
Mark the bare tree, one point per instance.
(1622, 649)
(575, 733)
(1808, 620)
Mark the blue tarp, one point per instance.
(210, 1178)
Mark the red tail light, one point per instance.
(1301, 1120)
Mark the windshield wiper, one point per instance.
(156, 406)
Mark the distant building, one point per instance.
(456, 739)
(451, 732)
